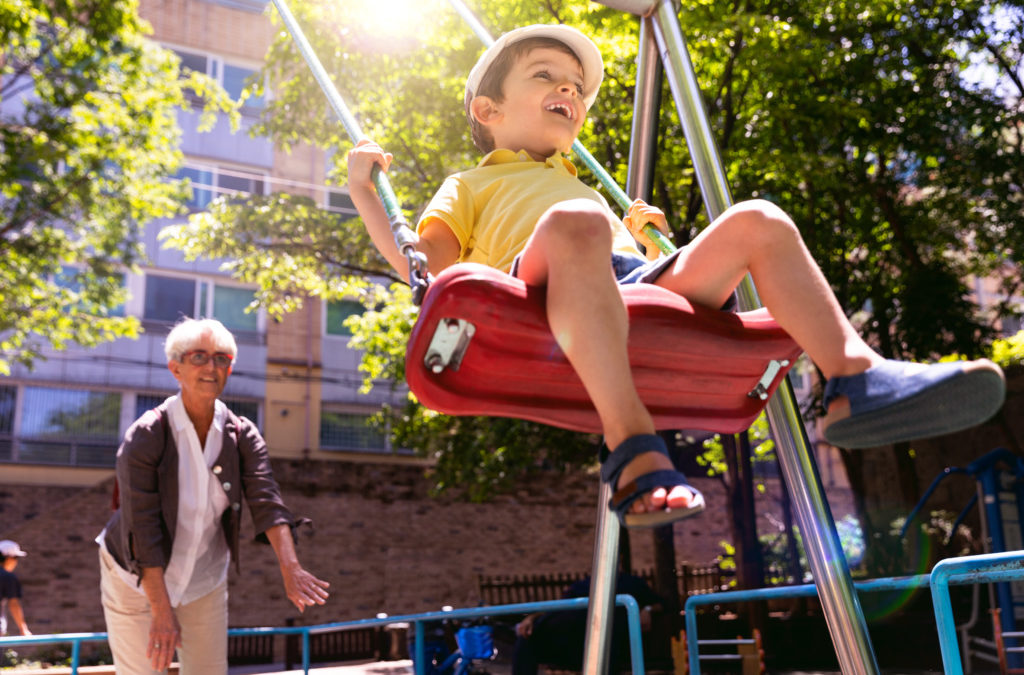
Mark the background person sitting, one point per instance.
(557, 638)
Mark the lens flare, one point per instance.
(882, 604)
(390, 25)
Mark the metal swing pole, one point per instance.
(604, 567)
(824, 553)
(405, 238)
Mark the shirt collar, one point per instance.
(505, 156)
(179, 416)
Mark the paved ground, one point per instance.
(353, 668)
(363, 668)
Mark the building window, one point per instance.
(249, 409)
(337, 312)
(171, 298)
(235, 80)
(240, 407)
(68, 278)
(230, 76)
(144, 402)
(341, 202)
(8, 398)
(350, 431)
(239, 182)
(208, 182)
(68, 426)
(250, 5)
(201, 185)
(229, 304)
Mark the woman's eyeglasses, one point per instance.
(198, 357)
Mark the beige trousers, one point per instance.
(204, 627)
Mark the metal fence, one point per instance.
(418, 621)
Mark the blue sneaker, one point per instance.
(902, 401)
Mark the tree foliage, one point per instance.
(88, 140)
(862, 119)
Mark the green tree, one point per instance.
(903, 174)
(88, 143)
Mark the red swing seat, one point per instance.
(695, 368)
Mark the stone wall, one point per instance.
(379, 538)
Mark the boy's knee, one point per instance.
(761, 208)
(577, 222)
(763, 218)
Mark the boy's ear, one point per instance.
(484, 109)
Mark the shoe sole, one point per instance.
(639, 521)
(958, 403)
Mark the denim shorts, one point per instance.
(633, 269)
(628, 269)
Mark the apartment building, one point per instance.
(296, 378)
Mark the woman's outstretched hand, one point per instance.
(303, 589)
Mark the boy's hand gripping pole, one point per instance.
(405, 238)
(663, 243)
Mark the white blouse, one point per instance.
(200, 557)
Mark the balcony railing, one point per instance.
(58, 452)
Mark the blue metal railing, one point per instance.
(992, 567)
(418, 620)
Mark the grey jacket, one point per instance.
(140, 533)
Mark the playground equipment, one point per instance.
(663, 52)
(1003, 651)
(748, 653)
(1000, 489)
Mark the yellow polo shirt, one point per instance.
(493, 208)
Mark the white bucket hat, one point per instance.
(584, 48)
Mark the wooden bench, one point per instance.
(245, 650)
(513, 589)
(519, 588)
(354, 644)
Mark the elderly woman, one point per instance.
(182, 471)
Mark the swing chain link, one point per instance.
(406, 240)
(419, 278)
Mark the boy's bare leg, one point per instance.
(570, 252)
(758, 237)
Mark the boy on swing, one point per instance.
(524, 211)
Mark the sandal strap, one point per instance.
(613, 463)
(635, 489)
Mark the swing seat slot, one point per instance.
(695, 368)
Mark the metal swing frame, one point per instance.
(663, 49)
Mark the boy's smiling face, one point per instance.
(543, 109)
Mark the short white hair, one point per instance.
(188, 332)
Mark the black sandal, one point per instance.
(612, 464)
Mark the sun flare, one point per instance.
(392, 24)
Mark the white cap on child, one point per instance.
(10, 549)
(584, 48)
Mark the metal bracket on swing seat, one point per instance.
(761, 390)
(449, 344)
